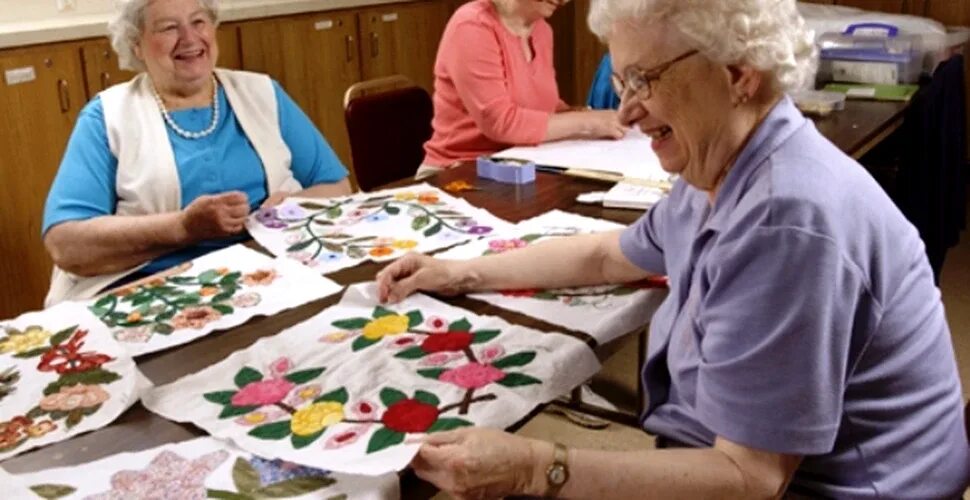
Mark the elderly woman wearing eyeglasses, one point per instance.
(495, 86)
(168, 166)
(803, 348)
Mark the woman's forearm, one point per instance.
(590, 259)
(327, 189)
(113, 243)
(568, 125)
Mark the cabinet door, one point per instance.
(101, 67)
(402, 39)
(893, 6)
(42, 91)
(314, 57)
(228, 39)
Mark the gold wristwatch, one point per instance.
(558, 472)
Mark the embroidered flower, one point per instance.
(248, 299)
(363, 409)
(345, 438)
(404, 244)
(134, 334)
(491, 353)
(429, 198)
(276, 471)
(195, 317)
(383, 241)
(405, 196)
(437, 324)
(394, 324)
(335, 337)
(11, 440)
(293, 238)
(305, 258)
(74, 397)
(499, 246)
(381, 251)
(410, 415)
(403, 341)
(222, 271)
(290, 211)
(447, 342)
(303, 394)
(41, 428)
(331, 257)
(260, 277)
(34, 337)
(208, 291)
(66, 357)
(262, 392)
(358, 213)
(12, 432)
(252, 419)
(479, 230)
(167, 476)
(440, 358)
(269, 218)
(472, 375)
(378, 217)
(316, 417)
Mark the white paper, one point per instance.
(215, 292)
(389, 376)
(630, 195)
(61, 374)
(336, 233)
(199, 468)
(631, 156)
(605, 312)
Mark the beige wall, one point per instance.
(12, 11)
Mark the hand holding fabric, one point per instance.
(215, 216)
(603, 124)
(415, 272)
(481, 463)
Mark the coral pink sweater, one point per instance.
(487, 95)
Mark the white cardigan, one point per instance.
(147, 180)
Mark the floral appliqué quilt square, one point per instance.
(218, 291)
(354, 388)
(605, 312)
(336, 233)
(195, 470)
(61, 374)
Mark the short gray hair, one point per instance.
(770, 35)
(126, 29)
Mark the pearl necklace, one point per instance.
(185, 133)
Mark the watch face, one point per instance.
(557, 474)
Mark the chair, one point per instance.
(387, 129)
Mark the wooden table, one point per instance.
(854, 130)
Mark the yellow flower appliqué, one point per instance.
(404, 244)
(394, 324)
(32, 338)
(316, 417)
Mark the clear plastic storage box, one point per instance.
(870, 53)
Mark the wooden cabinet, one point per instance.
(315, 58)
(39, 114)
(228, 39)
(402, 39)
(101, 67)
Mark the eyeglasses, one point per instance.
(640, 81)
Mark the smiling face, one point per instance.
(178, 44)
(689, 114)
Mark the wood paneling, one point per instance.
(402, 40)
(564, 52)
(315, 58)
(228, 39)
(38, 118)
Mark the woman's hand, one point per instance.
(415, 272)
(215, 216)
(483, 463)
(603, 124)
(275, 199)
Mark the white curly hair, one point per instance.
(126, 28)
(770, 35)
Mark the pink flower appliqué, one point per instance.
(491, 353)
(263, 392)
(167, 476)
(402, 342)
(440, 358)
(499, 246)
(347, 437)
(472, 375)
(436, 324)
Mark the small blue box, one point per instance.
(507, 171)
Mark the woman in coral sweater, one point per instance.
(495, 85)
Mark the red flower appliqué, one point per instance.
(410, 415)
(66, 358)
(447, 342)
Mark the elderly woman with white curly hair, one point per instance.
(803, 348)
(166, 167)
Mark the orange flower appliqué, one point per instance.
(381, 251)
(260, 277)
(195, 317)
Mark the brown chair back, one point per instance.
(387, 130)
